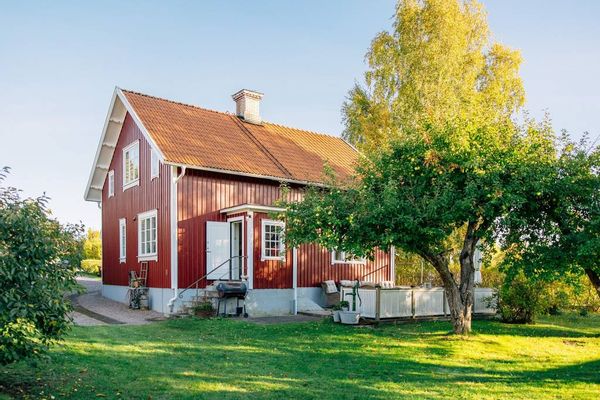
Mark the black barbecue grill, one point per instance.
(232, 290)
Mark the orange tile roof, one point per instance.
(202, 138)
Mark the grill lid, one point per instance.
(232, 289)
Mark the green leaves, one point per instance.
(437, 64)
(38, 260)
(559, 234)
(423, 188)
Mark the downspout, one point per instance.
(174, 246)
(295, 278)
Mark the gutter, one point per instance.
(174, 247)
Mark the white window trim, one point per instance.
(154, 158)
(140, 217)
(122, 246)
(343, 259)
(135, 182)
(111, 183)
(263, 256)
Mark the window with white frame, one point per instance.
(111, 183)
(147, 235)
(342, 257)
(272, 240)
(122, 240)
(154, 164)
(131, 165)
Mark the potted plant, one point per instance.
(344, 305)
(336, 310)
(350, 317)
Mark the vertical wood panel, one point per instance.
(149, 195)
(203, 194)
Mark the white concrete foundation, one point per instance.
(159, 297)
(259, 302)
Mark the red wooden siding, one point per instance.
(149, 195)
(270, 274)
(200, 197)
(314, 267)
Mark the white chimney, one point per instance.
(247, 104)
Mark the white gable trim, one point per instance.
(118, 109)
(140, 125)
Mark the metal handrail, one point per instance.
(197, 281)
(372, 272)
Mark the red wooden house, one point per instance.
(186, 189)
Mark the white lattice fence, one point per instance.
(415, 302)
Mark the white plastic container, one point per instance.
(336, 316)
(349, 317)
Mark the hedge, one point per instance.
(91, 266)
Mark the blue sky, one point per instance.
(61, 60)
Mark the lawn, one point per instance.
(184, 359)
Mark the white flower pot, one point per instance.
(336, 316)
(349, 317)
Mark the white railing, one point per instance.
(379, 303)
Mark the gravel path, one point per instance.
(93, 309)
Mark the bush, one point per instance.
(38, 260)
(204, 309)
(91, 266)
(521, 300)
(92, 245)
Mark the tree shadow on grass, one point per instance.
(228, 359)
(542, 329)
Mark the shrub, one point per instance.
(38, 259)
(92, 245)
(559, 296)
(92, 266)
(521, 300)
(204, 309)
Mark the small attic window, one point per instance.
(111, 183)
(131, 165)
(154, 164)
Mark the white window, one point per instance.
(272, 240)
(111, 183)
(154, 164)
(131, 165)
(147, 233)
(342, 257)
(122, 240)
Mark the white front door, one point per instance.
(217, 250)
(237, 249)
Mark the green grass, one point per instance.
(557, 358)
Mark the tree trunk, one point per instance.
(594, 278)
(460, 308)
(460, 296)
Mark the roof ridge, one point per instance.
(304, 130)
(230, 114)
(262, 147)
(177, 102)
